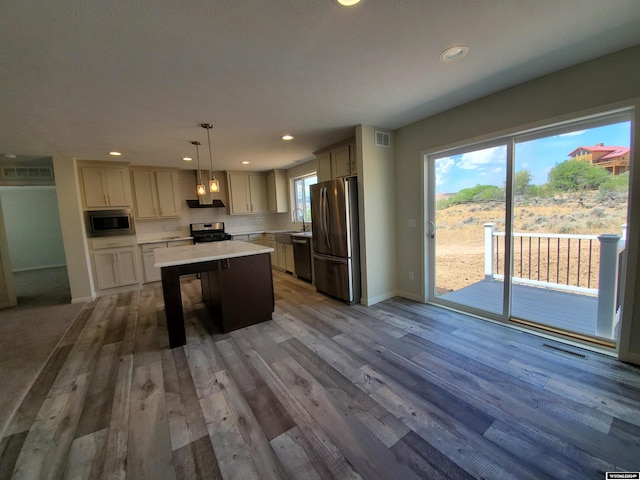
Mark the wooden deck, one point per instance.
(568, 311)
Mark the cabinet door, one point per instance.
(269, 242)
(282, 262)
(324, 167)
(258, 190)
(353, 159)
(239, 193)
(115, 181)
(144, 187)
(93, 188)
(277, 191)
(168, 195)
(127, 266)
(340, 162)
(151, 273)
(106, 269)
(290, 265)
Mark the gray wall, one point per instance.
(33, 228)
(613, 80)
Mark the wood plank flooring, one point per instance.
(399, 390)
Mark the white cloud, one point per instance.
(443, 166)
(572, 134)
(482, 158)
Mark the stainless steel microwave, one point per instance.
(108, 223)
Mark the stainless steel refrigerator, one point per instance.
(336, 240)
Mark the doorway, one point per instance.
(35, 247)
(531, 228)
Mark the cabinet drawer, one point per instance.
(113, 242)
(179, 243)
(150, 247)
(254, 237)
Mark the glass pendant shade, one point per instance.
(214, 185)
(200, 190)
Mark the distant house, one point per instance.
(614, 159)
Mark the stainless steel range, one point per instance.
(208, 232)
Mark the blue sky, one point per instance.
(487, 167)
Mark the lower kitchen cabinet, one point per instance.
(116, 268)
(151, 273)
(115, 261)
(290, 264)
(285, 257)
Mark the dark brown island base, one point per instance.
(237, 285)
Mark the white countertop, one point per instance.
(159, 238)
(203, 252)
(302, 234)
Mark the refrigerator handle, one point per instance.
(325, 204)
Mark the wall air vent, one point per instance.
(383, 139)
(21, 173)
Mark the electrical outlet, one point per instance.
(411, 276)
(412, 223)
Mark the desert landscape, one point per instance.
(460, 238)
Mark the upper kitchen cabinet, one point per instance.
(105, 184)
(277, 191)
(324, 166)
(337, 161)
(156, 192)
(247, 193)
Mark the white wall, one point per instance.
(586, 88)
(73, 232)
(32, 225)
(376, 192)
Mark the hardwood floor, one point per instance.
(399, 390)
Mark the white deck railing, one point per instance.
(596, 260)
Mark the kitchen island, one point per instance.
(237, 285)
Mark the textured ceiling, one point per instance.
(83, 78)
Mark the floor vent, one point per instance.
(564, 350)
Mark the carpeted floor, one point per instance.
(47, 286)
(30, 331)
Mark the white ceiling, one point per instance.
(83, 78)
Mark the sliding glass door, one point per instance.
(531, 228)
(569, 228)
(469, 196)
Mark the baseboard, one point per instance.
(630, 358)
(410, 296)
(83, 299)
(42, 267)
(368, 301)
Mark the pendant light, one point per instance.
(200, 187)
(214, 184)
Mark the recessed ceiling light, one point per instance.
(115, 154)
(246, 162)
(453, 54)
(348, 3)
(287, 137)
(187, 159)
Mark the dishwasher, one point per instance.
(302, 256)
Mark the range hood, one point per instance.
(215, 203)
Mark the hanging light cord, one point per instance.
(196, 143)
(208, 126)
